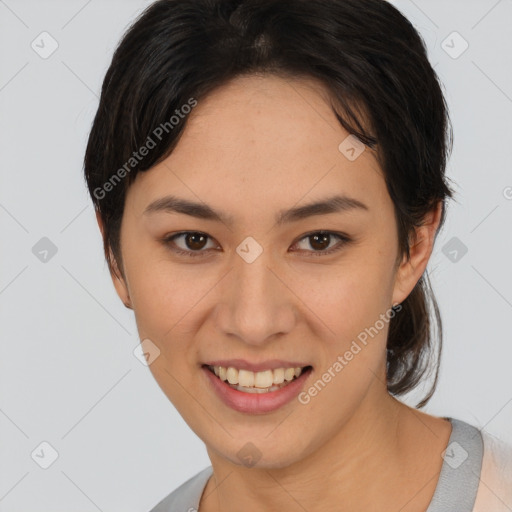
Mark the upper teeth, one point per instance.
(263, 379)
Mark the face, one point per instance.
(259, 284)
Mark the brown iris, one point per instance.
(322, 239)
(195, 240)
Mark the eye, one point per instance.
(321, 240)
(195, 241)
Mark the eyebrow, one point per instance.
(334, 204)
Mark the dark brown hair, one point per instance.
(383, 90)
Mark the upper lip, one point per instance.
(242, 364)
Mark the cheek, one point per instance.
(166, 305)
(166, 300)
(354, 304)
(353, 301)
(350, 296)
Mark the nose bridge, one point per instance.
(257, 306)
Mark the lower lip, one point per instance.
(256, 403)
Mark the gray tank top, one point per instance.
(456, 488)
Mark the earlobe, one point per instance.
(116, 275)
(421, 244)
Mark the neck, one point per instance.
(381, 455)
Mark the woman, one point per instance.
(269, 180)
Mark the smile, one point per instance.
(256, 382)
(256, 392)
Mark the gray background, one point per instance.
(68, 373)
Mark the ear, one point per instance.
(115, 273)
(420, 248)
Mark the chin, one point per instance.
(259, 453)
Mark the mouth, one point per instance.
(267, 381)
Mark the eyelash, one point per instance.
(343, 240)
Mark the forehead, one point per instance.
(283, 113)
(272, 140)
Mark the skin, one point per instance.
(256, 146)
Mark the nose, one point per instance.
(256, 304)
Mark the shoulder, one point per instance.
(185, 498)
(495, 488)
